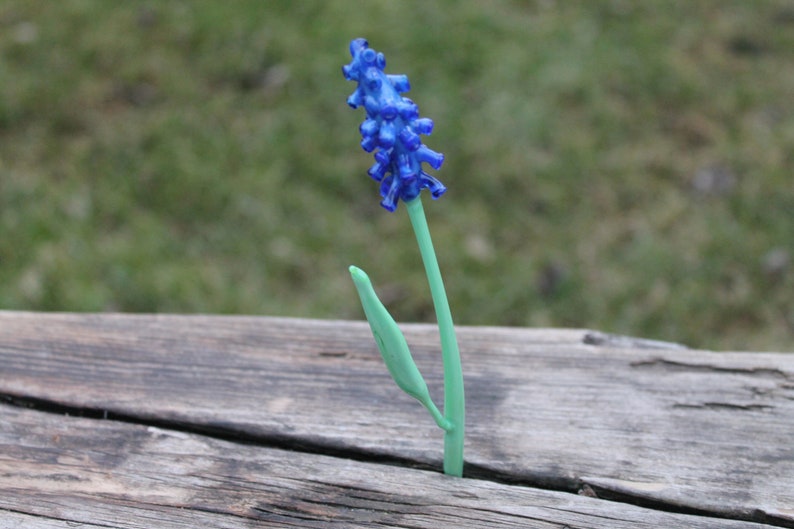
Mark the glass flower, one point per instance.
(393, 126)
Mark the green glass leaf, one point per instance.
(393, 347)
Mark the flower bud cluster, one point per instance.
(393, 127)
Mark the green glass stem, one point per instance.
(454, 406)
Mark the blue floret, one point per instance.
(393, 126)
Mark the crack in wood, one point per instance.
(215, 431)
(725, 405)
(609, 494)
(67, 521)
(673, 365)
(602, 339)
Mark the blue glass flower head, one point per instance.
(393, 126)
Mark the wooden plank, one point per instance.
(56, 469)
(560, 409)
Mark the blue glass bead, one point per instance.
(392, 126)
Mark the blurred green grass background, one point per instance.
(617, 165)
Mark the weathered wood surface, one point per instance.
(116, 474)
(636, 422)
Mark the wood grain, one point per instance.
(66, 471)
(569, 410)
